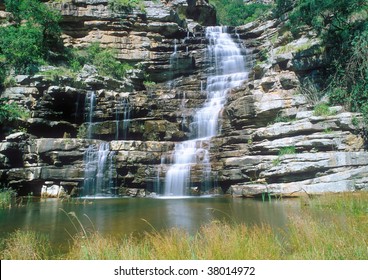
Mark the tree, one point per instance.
(33, 36)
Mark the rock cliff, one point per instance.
(272, 140)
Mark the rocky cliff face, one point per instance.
(271, 139)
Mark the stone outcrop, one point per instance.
(271, 139)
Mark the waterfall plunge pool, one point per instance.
(123, 216)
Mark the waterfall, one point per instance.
(174, 57)
(98, 172)
(122, 108)
(229, 71)
(99, 165)
(89, 105)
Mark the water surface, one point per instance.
(121, 216)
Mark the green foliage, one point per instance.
(328, 131)
(21, 47)
(281, 118)
(121, 5)
(3, 74)
(236, 12)
(105, 61)
(9, 81)
(26, 245)
(6, 197)
(148, 84)
(283, 6)
(289, 150)
(11, 111)
(56, 74)
(322, 109)
(33, 37)
(343, 27)
(82, 132)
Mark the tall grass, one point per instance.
(329, 227)
(26, 245)
(6, 198)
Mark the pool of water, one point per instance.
(121, 216)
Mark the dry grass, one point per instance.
(26, 245)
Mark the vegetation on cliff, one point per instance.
(120, 5)
(31, 38)
(342, 25)
(236, 12)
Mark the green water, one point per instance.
(121, 216)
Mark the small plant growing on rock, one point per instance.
(82, 132)
(323, 109)
(290, 150)
(121, 5)
(11, 111)
(281, 118)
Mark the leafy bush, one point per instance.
(11, 111)
(342, 25)
(33, 36)
(121, 5)
(21, 47)
(236, 12)
(105, 61)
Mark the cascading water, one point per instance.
(90, 103)
(229, 71)
(122, 108)
(98, 173)
(99, 165)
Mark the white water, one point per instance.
(98, 170)
(122, 108)
(226, 59)
(90, 103)
(99, 166)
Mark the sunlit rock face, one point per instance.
(266, 138)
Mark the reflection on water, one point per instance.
(122, 216)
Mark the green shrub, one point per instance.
(21, 47)
(9, 81)
(105, 61)
(342, 27)
(236, 12)
(289, 150)
(33, 37)
(322, 109)
(11, 111)
(121, 5)
(281, 118)
(283, 6)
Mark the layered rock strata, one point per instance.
(271, 139)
